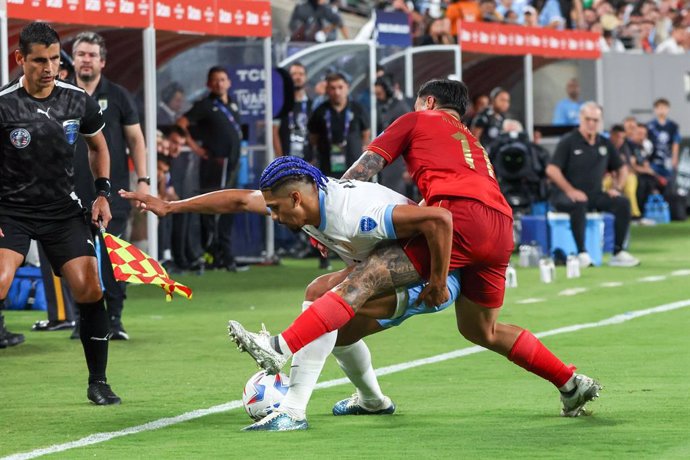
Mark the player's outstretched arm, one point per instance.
(219, 202)
(436, 224)
(366, 167)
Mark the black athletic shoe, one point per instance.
(9, 339)
(118, 333)
(52, 325)
(75, 333)
(101, 394)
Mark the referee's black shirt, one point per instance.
(37, 147)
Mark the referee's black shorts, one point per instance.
(62, 239)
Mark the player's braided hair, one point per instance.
(287, 168)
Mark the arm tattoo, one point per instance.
(368, 165)
(386, 269)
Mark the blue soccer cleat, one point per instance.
(353, 406)
(278, 421)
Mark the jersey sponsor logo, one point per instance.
(103, 103)
(44, 112)
(71, 129)
(20, 138)
(577, 152)
(367, 224)
(602, 150)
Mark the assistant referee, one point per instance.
(40, 119)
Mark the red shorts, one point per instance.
(482, 245)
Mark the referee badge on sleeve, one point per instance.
(20, 138)
(71, 128)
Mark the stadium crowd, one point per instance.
(645, 25)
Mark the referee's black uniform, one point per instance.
(37, 199)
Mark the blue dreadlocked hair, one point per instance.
(288, 167)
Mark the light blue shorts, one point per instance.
(407, 297)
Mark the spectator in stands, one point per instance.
(551, 15)
(170, 106)
(437, 33)
(463, 10)
(648, 181)
(290, 135)
(516, 7)
(488, 12)
(388, 109)
(567, 110)
(531, 18)
(665, 136)
(314, 20)
(487, 125)
(675, 44)
(576, 169)
(215, 124)
(624, 149)
(338, 128)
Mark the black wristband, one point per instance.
(145, 179)
(102, 185)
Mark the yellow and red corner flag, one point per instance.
(131, 264)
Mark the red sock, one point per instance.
(328, 313)
(529, 353)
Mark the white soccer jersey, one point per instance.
(355, 217)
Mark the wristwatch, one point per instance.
(145, 179)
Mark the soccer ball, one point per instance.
(263, 393)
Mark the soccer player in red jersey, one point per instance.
(453, 171)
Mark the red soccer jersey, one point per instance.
(443, 158)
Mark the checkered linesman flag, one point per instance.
(134, 266)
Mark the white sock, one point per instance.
(355, 361)
(569, 385)
(306, 368)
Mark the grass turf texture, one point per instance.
(479, 406)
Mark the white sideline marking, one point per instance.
(164, 422)
(611, 284)
(680, 273)
(652, 279)
(572, 291)
(530, 300)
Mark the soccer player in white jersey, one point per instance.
(350, 218)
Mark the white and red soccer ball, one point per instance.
(263, 393)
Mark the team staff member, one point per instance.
(122, 131)
(488, 124)
(577, 169)
(215, 136)
(40, 120)
(338, 128)
(290, 132)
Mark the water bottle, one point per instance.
(525, 251)
(511, 277)
(547, 270)
(572, 266)
(535, 254)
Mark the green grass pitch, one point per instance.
(479, 406)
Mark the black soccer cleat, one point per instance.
(118, 333)
(100, 394)
(9, 339)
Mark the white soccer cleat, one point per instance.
(586, 389)
(258, 346)
(584, 259)
(624, 259)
